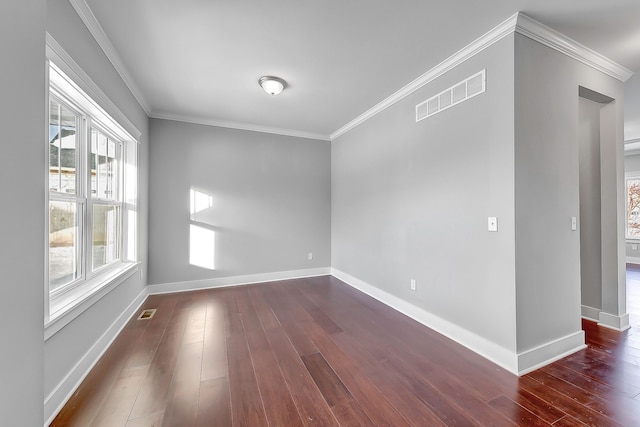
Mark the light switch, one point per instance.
(574, 223)
(492, 223)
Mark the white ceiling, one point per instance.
(200, 60)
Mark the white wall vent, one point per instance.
(468, 88)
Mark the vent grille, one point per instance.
(468, 88)
(147, 314)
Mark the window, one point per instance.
(92, 174)
(633, 205)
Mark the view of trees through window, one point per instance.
(633, 207)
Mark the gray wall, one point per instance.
(547, 192)
(590, 206)
(63, 350)
(632, 163)
(632, 108)
(22, 115)
(411, 200)
(271, 197)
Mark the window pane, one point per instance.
(62, 148)
(633, 207)
(104, 167)
(106, 230)
(63, 244)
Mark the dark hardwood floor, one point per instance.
(317, 352)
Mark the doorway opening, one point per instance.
(602, 270)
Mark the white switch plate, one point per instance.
(310, 255)
(634, 247)
(413, 285)
(574, 223)
(492, 223)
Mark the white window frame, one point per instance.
(635, 176)
(69, 84)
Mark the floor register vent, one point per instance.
(468, 88)
(147, 314)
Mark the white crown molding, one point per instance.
(239, 126)
(86, 15)
(549, 37)
(505, 28)
(519, 23)
(65, 62)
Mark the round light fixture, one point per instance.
(272, 85)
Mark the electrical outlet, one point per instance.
(310, 255)
(634, 247)
(413, 285)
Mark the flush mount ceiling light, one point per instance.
(272, 85)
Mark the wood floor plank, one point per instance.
(345, 408)
(117, 406)
(400, 396)
(214, 403)
(538, 406)
(568, 421)
(332, 388)
(214, 353)
(516, 413)
(247, 408)
(374, 403)
(310, 403)
(153, 420)
(184, 390)
(154, 393)
(279, 405)
(582, 413)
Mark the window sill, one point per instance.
(65, 308)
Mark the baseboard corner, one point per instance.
(549, 352)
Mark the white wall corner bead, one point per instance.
(462, 91)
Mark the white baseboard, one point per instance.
(194, 285)
(633, 260)
(590, 313)
(612, 321)
(489, 350)
(542, 355)
(54, 402)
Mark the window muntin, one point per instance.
(64, 244)
(63, 147)
(105, 236)
(105, 155)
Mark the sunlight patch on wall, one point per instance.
(202, 239)
(202, 247)
(199, 201)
